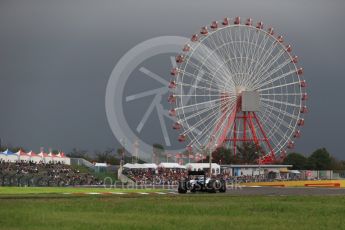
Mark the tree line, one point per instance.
(247, 153)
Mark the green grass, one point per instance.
(209, 211)
(60, 190)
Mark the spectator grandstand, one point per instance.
(29, 173)
(152, 174)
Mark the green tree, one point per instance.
(78, 153)
(223, 155)
(107, 156)
(297, 160)
(248, 153)
(320, 159)
(337, 164)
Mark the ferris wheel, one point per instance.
(238, 82)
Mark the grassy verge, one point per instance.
(209, 211)
(60, 190)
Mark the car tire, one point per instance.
(182, 187)
(223, 188)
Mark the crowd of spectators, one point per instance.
(43, 174)
(168, 176)
(159, 176)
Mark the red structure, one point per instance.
(251, 125)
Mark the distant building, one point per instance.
(254, 170)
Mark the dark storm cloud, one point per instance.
(56, 58)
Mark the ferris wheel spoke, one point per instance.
(196, 68)
(196, 95)
(280, 94)
(261, 61)
(199, 87)
(248, 49)
(254, 50)
(278, 86)
(266, 52)
(206, 120)
(265, 75)
(223, 38)
(208, 62)
(292, 116)
(223, 52)
(208, 128)
(272, 128)
(232, 50)
(276, 79)
(240, 48)
(199, 112)
(282, 76)
(274, 131)
(198, 104)
(225, 124)
(265, 67)
(279, 118)
(187, 110)
(281, 102)
(261, 52)
(230, 105)
(166, 114)
(204, 107)
(198, 79)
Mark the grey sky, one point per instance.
(56, 58)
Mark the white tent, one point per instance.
(2, 156)
(130, 166)
(171, 165)
(150, 166)
(13, 157)
(56, 158)
(202, 166)
(34, 157)
(23, 156)
(46, 158)
(9, 156)
(140, 166)
(63, 159)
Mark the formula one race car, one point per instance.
(197, 181)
